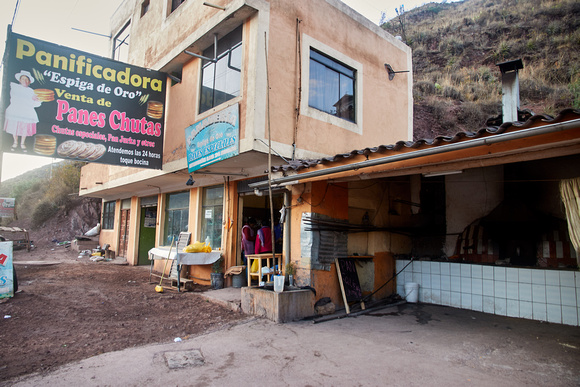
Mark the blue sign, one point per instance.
(6, 270)
(213, 139)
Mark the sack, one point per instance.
(196, 247)
(255, 265)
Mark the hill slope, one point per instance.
(456, 46)
(48, 205)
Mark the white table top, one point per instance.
(184, 258)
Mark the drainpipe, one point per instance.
(510, 89)
(287, 225)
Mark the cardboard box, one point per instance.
(84, 244)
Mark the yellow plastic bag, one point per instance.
(196, 247)
(255, 266)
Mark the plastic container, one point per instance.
(412, 292)
(278, 283)
(239, 280)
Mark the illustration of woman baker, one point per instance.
(21, 118)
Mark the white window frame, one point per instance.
(307, 43)
(121, 53)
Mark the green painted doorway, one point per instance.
(147, 229)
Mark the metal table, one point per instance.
(181, 258)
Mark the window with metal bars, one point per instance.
(108, 215)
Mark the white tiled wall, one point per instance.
(537, 294)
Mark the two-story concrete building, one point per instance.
(295, 79)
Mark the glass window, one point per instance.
(221, 80)
(331, 86)
(144, 7)
(109, 216)
(176, 216)
(175, 4)
(212, 215)
(121, 44)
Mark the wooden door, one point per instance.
(124, 233)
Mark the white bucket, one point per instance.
(412, 292)
(278, 283)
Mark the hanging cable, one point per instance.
(15, 11)
(269, 154)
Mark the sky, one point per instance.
(56, 21)
(53, 21)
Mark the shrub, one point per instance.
(424, 88)
(20, 189)
(503, 51)
(452, 46)
(575, 90)
(64, 182)
(452, 93)
(484, 74)
(474, 115)
(534, 90)
(43, 212)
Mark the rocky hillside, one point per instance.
(48, 205)
(456, 46)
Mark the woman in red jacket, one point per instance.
(264, 239)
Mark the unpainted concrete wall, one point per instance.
(469, 196)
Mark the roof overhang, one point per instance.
(221, 23)
(538, 142)
(173, 178)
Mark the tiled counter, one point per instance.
(537, 294)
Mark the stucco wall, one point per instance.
(277, 37)
(154, 37)
(338, 32)
(111, 236)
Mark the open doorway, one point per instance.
(257, 207)
(147, 228)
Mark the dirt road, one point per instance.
(75, 308)
(75, 314)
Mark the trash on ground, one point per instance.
(94, 231)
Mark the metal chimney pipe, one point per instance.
(510, 87)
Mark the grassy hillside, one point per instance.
(456, 47)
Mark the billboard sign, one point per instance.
(213, 139)
(6, 270)
(64, 103)
(7, 207)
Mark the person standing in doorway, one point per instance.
(248, 238)
(264, 239)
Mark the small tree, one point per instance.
(401, 17)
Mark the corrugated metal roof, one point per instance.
(533, 121)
